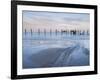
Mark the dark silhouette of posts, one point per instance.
(80, 32)
(87, 32)
(74, 32)
(25, 31)
(38, 31)
(70, 32)
(61, 31)
(45, 32)
(83, 33)
(56, 32)
(31, 32)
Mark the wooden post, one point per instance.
(87, 32)
(38, 31)
(80, 32)
(70, 32)
(25, 31)
(66, 31)
(31, 32)
(56, 32)
(61, 32)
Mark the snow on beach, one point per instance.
(55, 51)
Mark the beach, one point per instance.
(60, 54)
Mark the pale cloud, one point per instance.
(51, 20)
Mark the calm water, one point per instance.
(39, 46)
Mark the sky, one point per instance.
(55, 20)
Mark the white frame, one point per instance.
(21, 71)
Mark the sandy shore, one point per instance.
(58, 57)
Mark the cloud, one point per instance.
(53, 20)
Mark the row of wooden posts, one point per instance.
(71, 32)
